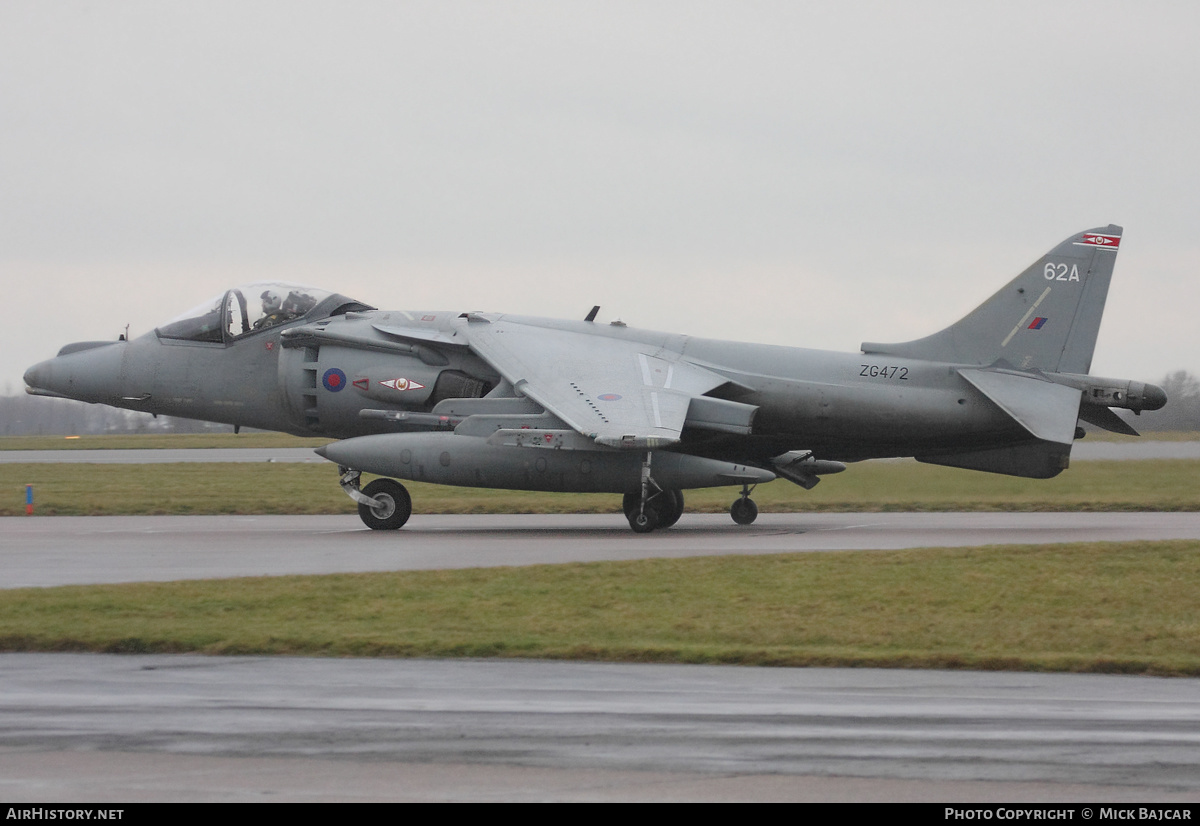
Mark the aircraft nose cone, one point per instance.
(1153, 397)
(90, 375)
(34, 376)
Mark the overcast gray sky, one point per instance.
(813, 174)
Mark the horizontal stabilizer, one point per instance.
(1104, 418)
(1047, 410)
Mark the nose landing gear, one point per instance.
(383, 505)
(392, 509)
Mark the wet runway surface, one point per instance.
(312, 729)
(129, 728)
(73, 550)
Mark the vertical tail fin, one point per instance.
(1047, 317)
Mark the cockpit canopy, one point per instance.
(253, 308)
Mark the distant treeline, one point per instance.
(38, 415)
(1183, 405)
(42, 416)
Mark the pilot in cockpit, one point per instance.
(272, 309)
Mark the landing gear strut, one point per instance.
(383, 505)
(743, 510)
(653, 506)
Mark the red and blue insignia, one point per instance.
(1095, 239)
(609, 397)
(1037, 323)
(334, 380)
(402, 384)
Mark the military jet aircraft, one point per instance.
(495, 400)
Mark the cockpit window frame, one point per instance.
(282, 304)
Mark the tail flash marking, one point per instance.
(1095, 239)
(1025, 318)
(1037, 323)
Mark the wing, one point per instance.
(618, 391)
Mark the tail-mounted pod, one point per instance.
(1127, 395)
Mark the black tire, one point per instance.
(744, 511)
(671, 508)
(668, 504)
(644, 521)
(395, 505)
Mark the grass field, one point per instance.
(247, 488)
(1109, 607)
(1103, 607)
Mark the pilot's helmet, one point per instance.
(271, 302)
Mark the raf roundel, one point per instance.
(334, 380)
(609, 397)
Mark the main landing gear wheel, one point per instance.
(644, 520)
(393, 510)
(744, 511)
(667, 506)
(670, 509)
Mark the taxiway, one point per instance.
(78, 550)
(127, 728)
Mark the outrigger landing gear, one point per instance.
(743, 510)
(384, 505)
(653, 507)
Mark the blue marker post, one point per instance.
(29, 500)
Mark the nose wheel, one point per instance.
(743, 510)
(383, 505)
(392, 505)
